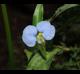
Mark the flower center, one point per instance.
(40, 38)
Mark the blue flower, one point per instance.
(43, 26)
(29, 35)
(31, 30)
(48, 30)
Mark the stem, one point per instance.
(61, 9)
(52, 18)
(8, 36)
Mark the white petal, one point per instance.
(43, 25)
(50, 33)
(30, 30)
(29, 40)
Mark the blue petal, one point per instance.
(43, 25)
(50, 33)
(29, 40)
(31, 30)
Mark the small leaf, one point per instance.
(38, 14)
(28, 53)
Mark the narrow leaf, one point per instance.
(8, 35)
(38, 14)
(28, 53)
(61, 10)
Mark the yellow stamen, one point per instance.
(40, 38)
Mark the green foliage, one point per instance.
(38, 14)
(28, 53)
(8, 36)
(38, 63)
(68, 28)
(68, 24)
(61, 10)
(72, 61)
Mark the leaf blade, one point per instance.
(38, 14)
(61, 9)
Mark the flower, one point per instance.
(48, 30)
(30, 33)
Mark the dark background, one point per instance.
(20, 15)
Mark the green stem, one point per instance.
(8, 35)
(61, 9)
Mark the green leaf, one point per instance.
(61, 10)
(28, 53)
(42, 50)
(38, 63)
(8, 36)
(38, 14)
